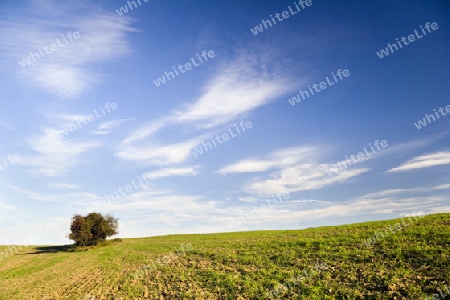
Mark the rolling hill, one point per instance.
(405, 258)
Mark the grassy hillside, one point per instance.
(410, 260)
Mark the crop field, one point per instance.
(337, 262)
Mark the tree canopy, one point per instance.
(92, 229)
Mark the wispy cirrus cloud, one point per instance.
(61, 185)
(424, 161)
(245, 84)
(442, 187)
(385, 202)
(412, 145)
(301, 177)
(106, 127)
(56, 155)
(158, 155)
(392, 192)
(67, 71)
(147, 130)
(292, 170)
(7, 206)
(171, 172)
(278, 159)
(79, 198)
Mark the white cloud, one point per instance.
(301, 177)
(424, 161)
(170, 172)
(146, 130)
(295, 169)
(306, 201)
(350, 208)
(167, 208)
(78, 198)
(373, 204)
(67, 71)
(56, 155)
(442, 187)
(59, 79)
(61, 185)
(249, 199)
(106, 127)
(57, 152)
(278, 159)
(392, 192)
(238, 88)
(63, 119)
(6, 206)
(247, 166)
(159, 155)
(410, 145)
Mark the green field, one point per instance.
(411, 263)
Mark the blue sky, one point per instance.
(153, 131)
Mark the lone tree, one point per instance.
(92, 229)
